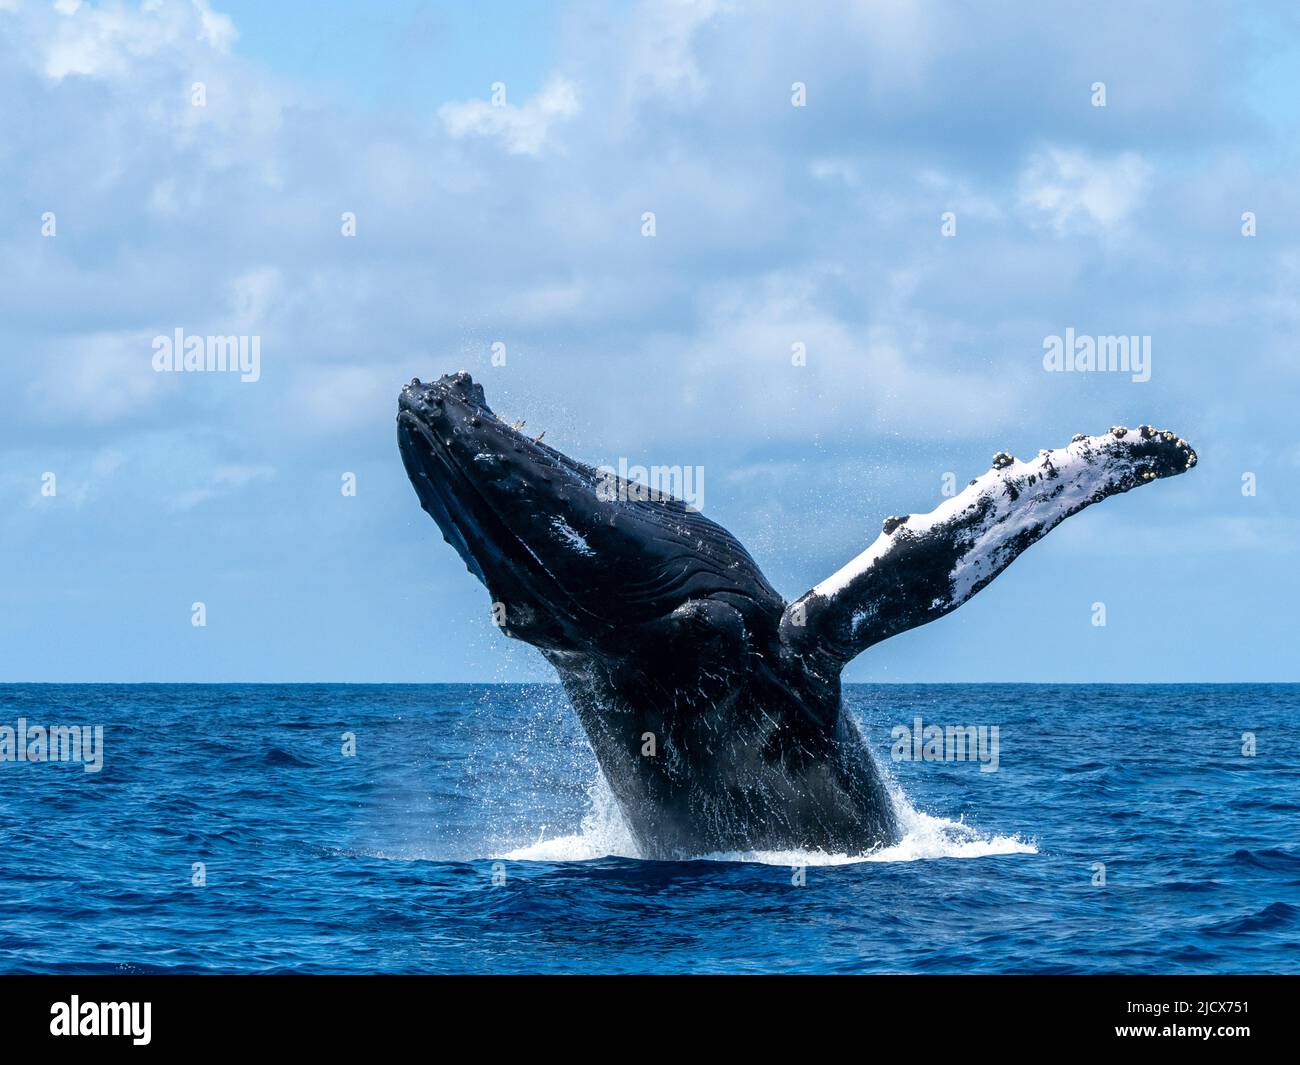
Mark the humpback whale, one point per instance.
(712, 704)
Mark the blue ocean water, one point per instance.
(471, 832)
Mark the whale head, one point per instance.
(570, 561)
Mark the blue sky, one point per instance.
(775, 225)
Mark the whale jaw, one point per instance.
(570, 564)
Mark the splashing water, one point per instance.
(604, 833)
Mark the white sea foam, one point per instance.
(604, 833)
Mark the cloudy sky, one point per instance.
(127, 212)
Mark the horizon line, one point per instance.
(557, 684)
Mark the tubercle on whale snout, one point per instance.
(460, 384)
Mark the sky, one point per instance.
(948, 196)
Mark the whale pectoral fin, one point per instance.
(925, 565)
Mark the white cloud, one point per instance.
(859, 380)
(236, 476)
(775, 225)
(109, 42)
(660, 57)
(223, 480)
(253, 294)
(959, 196)
(328, 399)
(96, 379)
(832, 169)
(1075, 190)
(523, 130)
(216, 29)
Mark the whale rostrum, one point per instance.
(712, 705)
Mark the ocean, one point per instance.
(465, 828)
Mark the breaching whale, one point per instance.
(712, 705)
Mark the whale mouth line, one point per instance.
(444, 507)
(469, 520)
